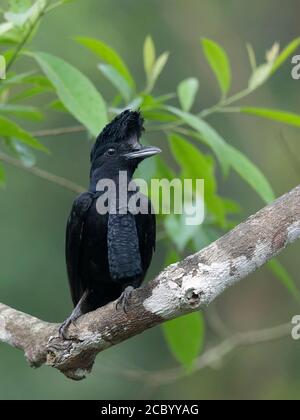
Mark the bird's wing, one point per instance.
(123, 247)
(74, 233)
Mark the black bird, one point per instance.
(108, 255)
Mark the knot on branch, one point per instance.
(75, 357)
(193, 297)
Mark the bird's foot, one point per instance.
(123, 300)
(63, 329)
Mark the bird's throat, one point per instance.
(119, 177)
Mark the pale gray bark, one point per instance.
(181, 288)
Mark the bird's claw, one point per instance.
(123, 300)
(63, 329)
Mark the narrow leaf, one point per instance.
(195, 165)
(149, 56)
(286, 53)
(251, 174)
(207, 135)
(108, 55)
(21, 151)
(251, 55)
(157, 69)
(272, 114)
(260, 75)
(57, 106)
(22, 111)
(30, 93)
(219, 63)
(117, 80)
(10, 129)
(187, 91)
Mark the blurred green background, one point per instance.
(33, 212)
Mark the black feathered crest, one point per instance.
(121, 128)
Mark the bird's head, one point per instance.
(118, 146)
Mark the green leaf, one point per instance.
(14, 80)
(187, 91)
(149, 56)
(157, 69)
(19, 5)
(251, 174)
(195, 165)
(284, 55)
(206, 235)
(57, 106)
(22, 111)
(108, 55)
(273, 114)
(160, 116)
(154, 103)
(76, 92)
(146, 170)
(207, 135)
(21, 151)
(30, 93)
(2, 176)
(185, 338)
(251, 55)
(219, 63)
(10, 129)
(117, 80)
(178, 231)
(283, 275)
(2, 68)
(164, 171)
(38, 80)
(5, 27)
(26, 16)
(260, 75)
(172, 257)
(229, 156)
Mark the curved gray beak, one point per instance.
(143, 152)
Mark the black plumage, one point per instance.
(109, 254)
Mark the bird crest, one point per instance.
(121, 128)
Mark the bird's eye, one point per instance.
(111, 151)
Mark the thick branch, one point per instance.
(181, 288)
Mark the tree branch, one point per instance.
(181, 288)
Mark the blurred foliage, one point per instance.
(197, 148)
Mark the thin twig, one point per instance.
(59, 131)
(212, 358)
(26, 37)
(60, 181)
